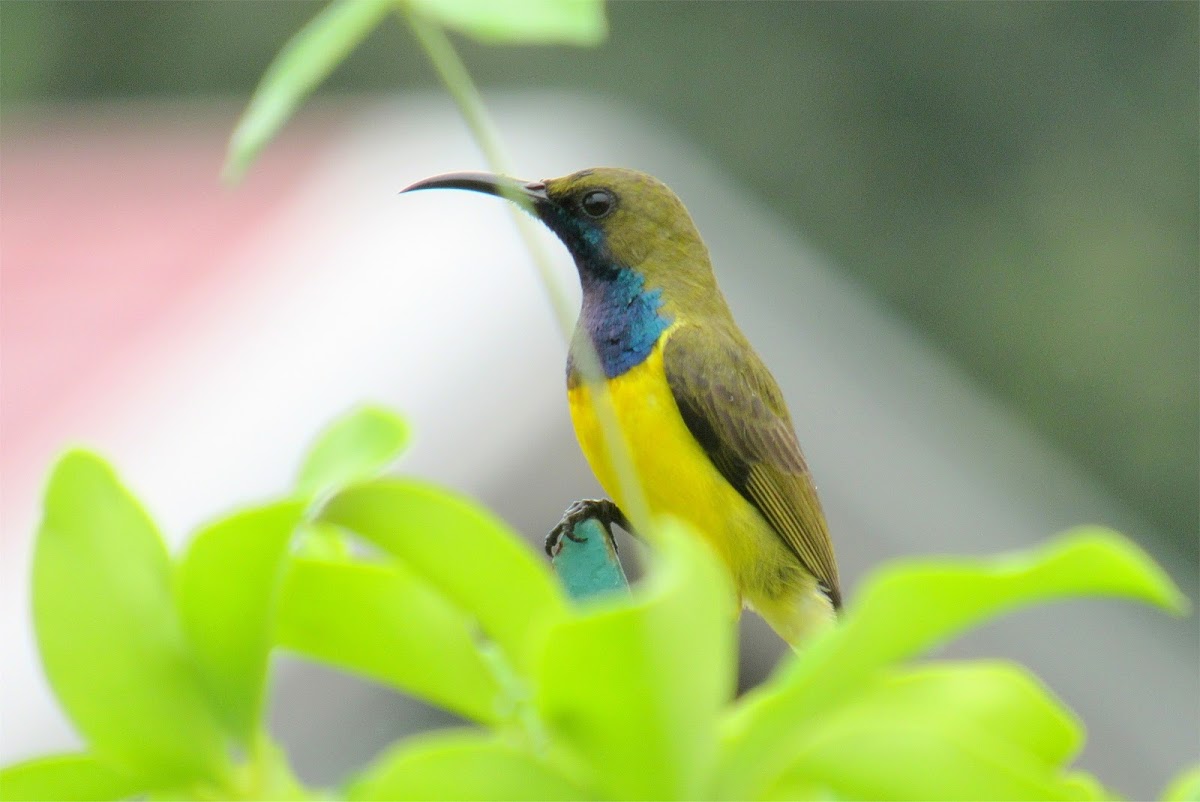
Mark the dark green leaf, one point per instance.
(633, 686)
(228, 584)
(383, 622)
(908, 608)
(356, 446)
(461, 765)
(300, 67)
(464, 552)
(66, 778)
(572, 22)
(111, 642)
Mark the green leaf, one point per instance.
(300, 67)
(1000, 698)
(925, 757)
(383, 622)
(1184, 788)
(356, 446)
(989, 709)
(633, 686)
(464, 552)
(461, 765)
(572, 22)
(111, 643)
(1083, 786)
(66, 778)
(228, 583)
(907, 608)
(322, 541)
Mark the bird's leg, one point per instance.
(602, 510)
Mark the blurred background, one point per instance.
(964, 236)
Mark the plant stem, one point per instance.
(462, 89)
(520, 710)
(470, 104)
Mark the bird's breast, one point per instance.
(676, 475)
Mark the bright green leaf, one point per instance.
(111, 643)
(633, 686)
(383, 622)
(1000, 698)
(297, 70)
(924, 757)
(793, 789)
(908, 608)
(1083, 786)
(66, 778)
(993, 708)
(1184, 788)
(460, 549)
(572, 22)
(461, 765)
(264, 775)
(228, 583)
(322, 541)
(354, 447)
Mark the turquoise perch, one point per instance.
(587, 564)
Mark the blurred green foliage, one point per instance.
(1018, 179)
(163, 664)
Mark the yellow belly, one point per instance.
(678, 479)
(676, 475)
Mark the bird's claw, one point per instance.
(602, 510)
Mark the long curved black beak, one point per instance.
(530, 196)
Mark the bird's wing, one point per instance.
(734, 409)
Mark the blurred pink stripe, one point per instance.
(111, 220)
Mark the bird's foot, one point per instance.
(602, 510)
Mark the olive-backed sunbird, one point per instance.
(710, 436)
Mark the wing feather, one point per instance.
(735, 410)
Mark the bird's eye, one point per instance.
(597, 203)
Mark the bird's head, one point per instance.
(610, 219)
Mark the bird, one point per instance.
(708, 430)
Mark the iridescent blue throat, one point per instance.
(622, 317)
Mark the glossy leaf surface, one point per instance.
(634, 685)
(68, 778)
(460, 549)
(228, 584)
(462, 765)
(382, 622)
(357, 446)
(110, 640)
(908, 608)
(980, 729)
(300, 67)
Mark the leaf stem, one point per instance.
(466, 96)
(518, 708)
(462, 89)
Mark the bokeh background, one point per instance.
(1013, 184)
(1018, 180)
